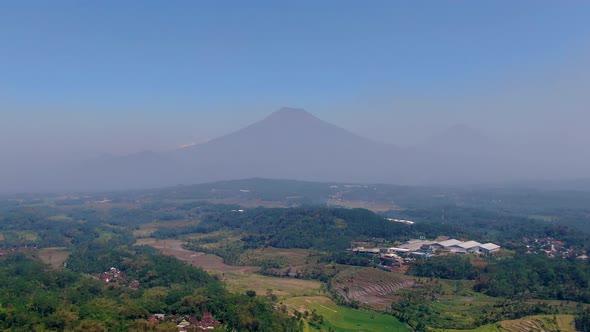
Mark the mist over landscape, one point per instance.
(294, 144)
(303, 166)
(480, 96)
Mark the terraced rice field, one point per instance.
(541, 323)
(370, 286)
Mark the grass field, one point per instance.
(54, 256)
(290, 257)
(29, 236)
(343, 319)
(283, 288)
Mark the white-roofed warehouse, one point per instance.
(489, 248)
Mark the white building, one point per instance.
(448, 243)
(470, 246)
(488, 248)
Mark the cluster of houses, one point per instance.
(116, 276)
(188, 323)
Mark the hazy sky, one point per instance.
(83, 78)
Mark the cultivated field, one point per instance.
(54, 256)
(281, 287)
(210, 263)
(238, 278)
(290, 257)
(343, 319)
(370, 286)
(543, 323)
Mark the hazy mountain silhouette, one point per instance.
(294, 144)
(290, 143)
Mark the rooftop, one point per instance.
(470, 244)
(449, 243)
(490, 246)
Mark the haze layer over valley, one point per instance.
(292, 143)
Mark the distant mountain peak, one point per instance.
(291, 110)
(290, 113)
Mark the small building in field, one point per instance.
(488, 248)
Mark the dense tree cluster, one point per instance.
(35, 298)
(518, 276)
(536, 276)
(446, 267)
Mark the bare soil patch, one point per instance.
(210, 263)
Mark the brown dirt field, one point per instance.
(210, 263)
(54, 256)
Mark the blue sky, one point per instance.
(91, 77)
